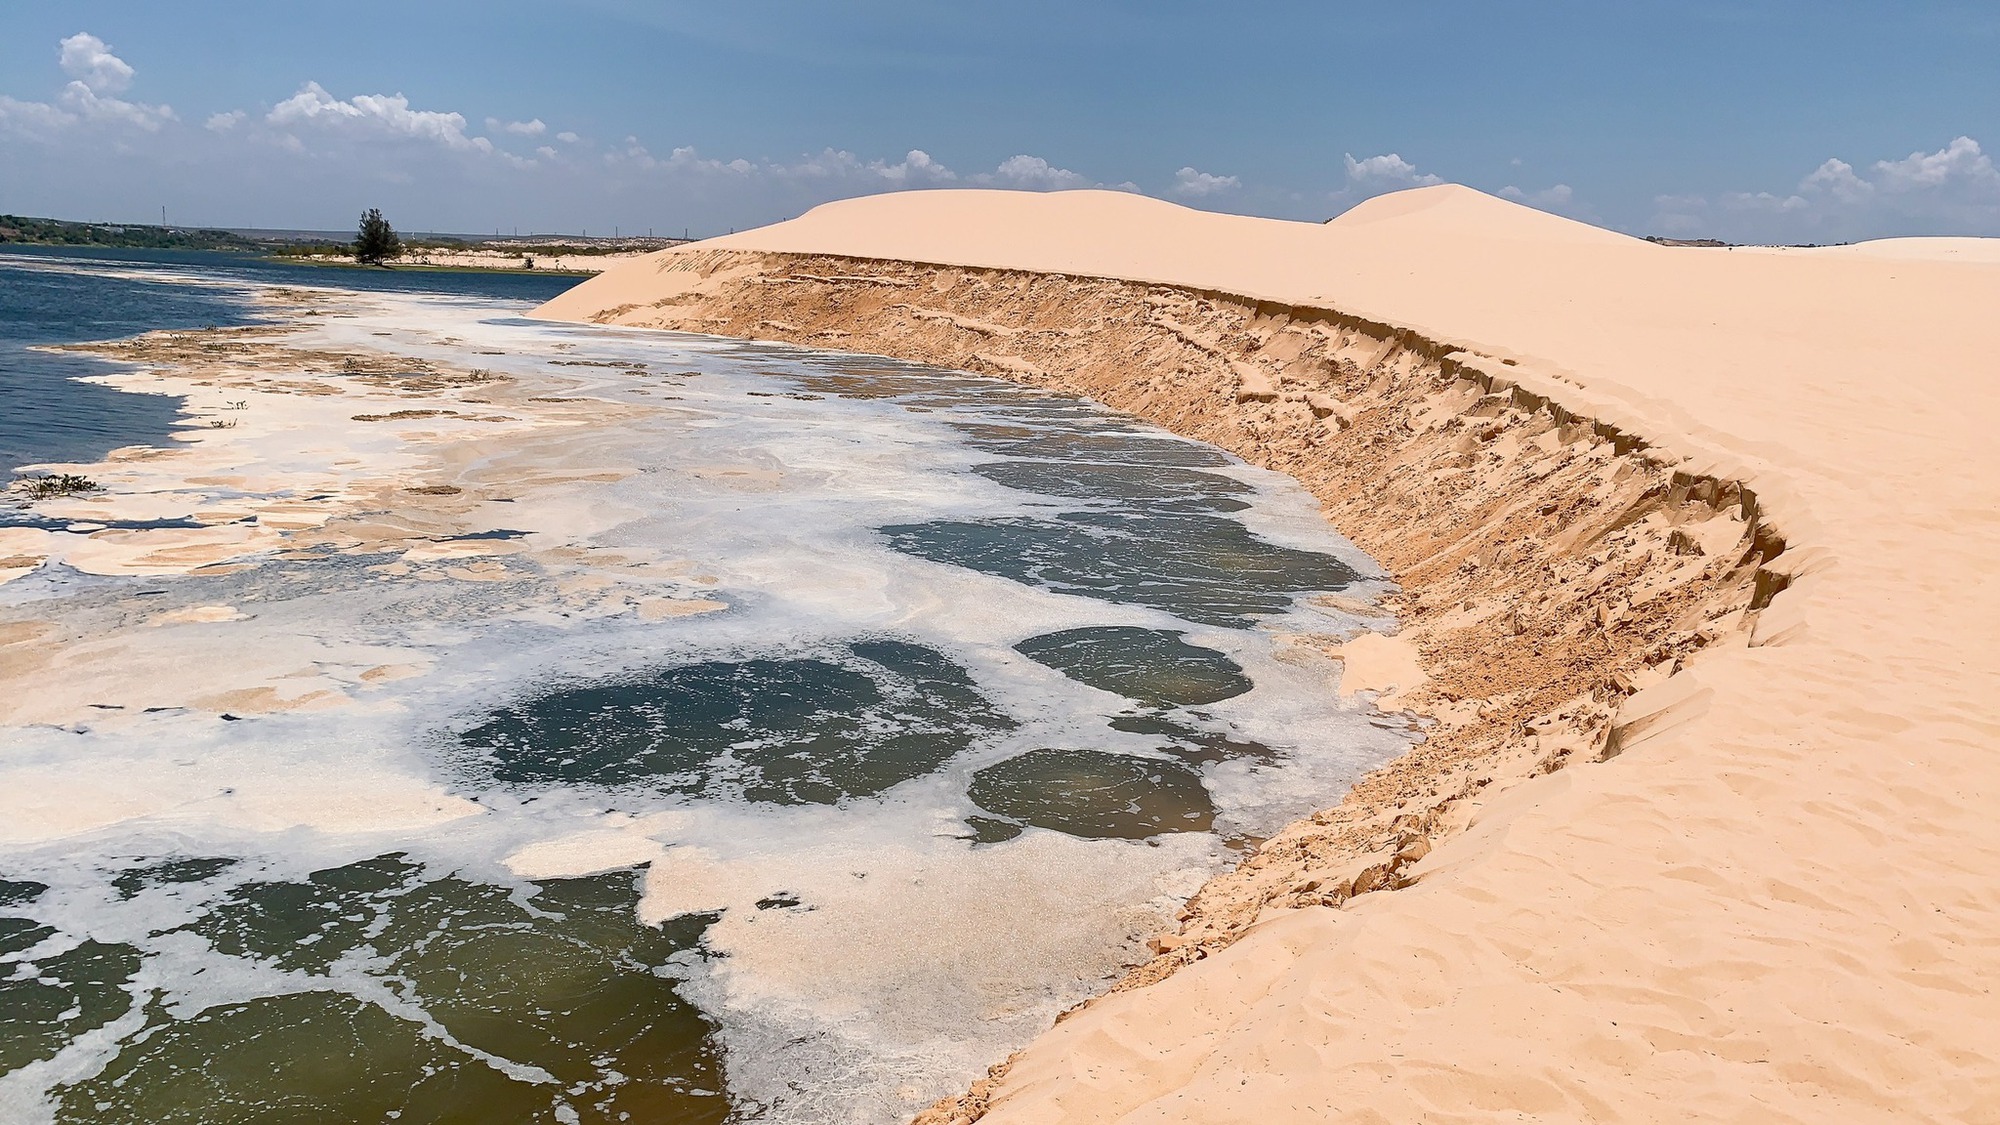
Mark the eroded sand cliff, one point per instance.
(1595, 465)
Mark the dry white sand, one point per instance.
(1783, 901)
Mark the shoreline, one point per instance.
(1756, 901)
(243, 387)
(467, 262)
(412, 485)
(486, 261)
(1344, 379)
(401, 267)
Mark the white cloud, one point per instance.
(34, 119)
(568, 138)
(684, 159)
(1377, 175)
(833, 166)
(87, 98)
(1954, 190)
(832, 173)
(1034, 174)
(1189, 181)
(916, 168)
(87, 59)
(534, 128)
(1837, 176)
(92, 107)
(382, 115)
(1387, 172)
(1960, 162)
(1551, 198)
(1558, 199)
(223, 122)
(546, 153)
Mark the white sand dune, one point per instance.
(1783, 903)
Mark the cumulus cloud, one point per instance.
(833, 173)
(1387, 172)
(568, 137)
(1558, 199)
(1377, 175)
(1961, 161)
(386, 115)
(32, 119)
(89, 60)
(829, 166)
(1953, 190)
(91, 106)
(1550, 198)
(534, 128)
(1189, 181)
(1034, 174)
(1837, 177)
(223, 122)
(97, 76)
(916, 168)
(684, 159)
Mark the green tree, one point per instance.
(377, 242)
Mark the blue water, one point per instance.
(54, 295)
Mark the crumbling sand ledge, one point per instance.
(1552, 565)
(1776, 902)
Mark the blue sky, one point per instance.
(1778, 121)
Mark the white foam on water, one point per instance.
(867, 956)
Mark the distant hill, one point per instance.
(17, 230)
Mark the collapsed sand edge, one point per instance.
(1556, 570)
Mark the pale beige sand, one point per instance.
(1779, 902)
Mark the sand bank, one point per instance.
(579, 263)
(1691, 543)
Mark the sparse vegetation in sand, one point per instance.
(55, 485)
(400, 415)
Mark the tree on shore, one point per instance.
(377, 242)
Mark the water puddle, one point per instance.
(802, 730)
(1151, 666)
(1200, 568)
(1095, 795)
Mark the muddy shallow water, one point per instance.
(791, 747)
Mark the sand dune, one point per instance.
(1779, 901)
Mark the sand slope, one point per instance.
(1783, 901)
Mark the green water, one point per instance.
(785, 731)
(411, 997)
(1151, 666)
(1094, 794)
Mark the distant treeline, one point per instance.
(419, 249)
(21, 231)
(566, 249)
(55, 232)
(309, 249)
